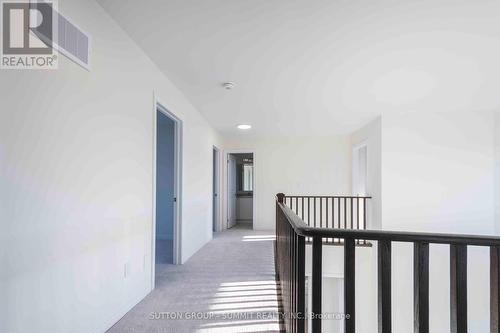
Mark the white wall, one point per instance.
(244, 208)
(497, 172)
(296, 165)
(437, 172)
(332, 303)
(76, 152)
(438, 176)
(366, 286)
(370, 135)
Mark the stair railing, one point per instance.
(291, 234)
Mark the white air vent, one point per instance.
(66, 38)
(72, 41)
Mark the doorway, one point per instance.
(240, 190)
(165, 196)
(215, 190)
(166, 222)
(360, 169)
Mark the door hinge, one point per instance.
(175, 199)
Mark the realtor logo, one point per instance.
(27, 34)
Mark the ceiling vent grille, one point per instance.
(72, 42)
(67, 39)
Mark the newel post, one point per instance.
(280, 199)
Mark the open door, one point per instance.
(167, 196)
(232, 188)
(215, 190)
(165, 188)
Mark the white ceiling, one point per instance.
(320, 67)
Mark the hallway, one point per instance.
(230, 282)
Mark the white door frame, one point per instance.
(217, 203)
(177, 258)
(226, 184)
(355, 164)
(231, 185)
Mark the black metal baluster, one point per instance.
(314, 205)
(292, 280)
(338, 212)
(320, 212)
(302, 199)
(352, 221)
(349, 285)
(345, 213)
(364, 215)
(332, 240)
(326, 217)
(421, 287)
(494, 289)
(357, 213)
(384, 287)
(458, 288)
(308, 211)
(289, 285)
(333, 212)
(301, 281)
(317, 277)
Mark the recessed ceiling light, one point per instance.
(244, 127)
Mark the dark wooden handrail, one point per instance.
(330, 196)
(291, 233)
(303, 229)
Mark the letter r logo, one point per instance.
(25, 25)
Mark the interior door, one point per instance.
(231, 190)
(215, 190)
(165, 189)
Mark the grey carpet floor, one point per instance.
(229, 284)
